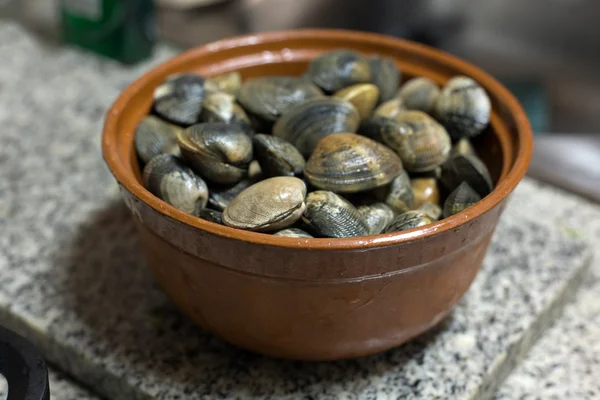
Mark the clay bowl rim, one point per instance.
(123, 171)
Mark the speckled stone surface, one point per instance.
(73, 281)
(565, 363)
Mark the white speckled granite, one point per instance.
(565, 363)
(72, 280)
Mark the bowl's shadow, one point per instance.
(129, 325)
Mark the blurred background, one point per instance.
(545, 51)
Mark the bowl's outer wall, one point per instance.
(314, 299)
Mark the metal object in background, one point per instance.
(568, 161)
(23, 367)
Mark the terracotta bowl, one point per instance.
(315, 299)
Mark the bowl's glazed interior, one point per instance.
(315, 299)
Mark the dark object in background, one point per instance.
(23, 367)
(124, 30)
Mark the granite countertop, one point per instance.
(96, 312)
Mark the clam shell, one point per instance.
(169, 179)
(426, 147)
(179, 98)
(294, 233)
(211, 215)
(460, 199)
(432, 210)
(463, 107)
(307, 123)
(385, 75)
(334, 70)
(277, 157)
(346, 163)
(400, 196)
(255, 171)
(363, 97)
(221, 107)
(229, 82)
(220, 196)
(384, 130)
(466, 168)
(390, 109)
(268, 205)
(217, 151)
(420, 94)
(333, 216)
(408, 220)
(425, 189)
(153, 136)
(463, 146)
(377, 216)
(271, 96)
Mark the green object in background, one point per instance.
(534, 100)
(124, 30)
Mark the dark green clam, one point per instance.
(377, 216)
(408, 220)
(179, 98)
(385, 75)
(331, 215)
(217, 151)
(463, 107)
(153, 136)
(466, 168)
(420, 94)
(211, 215)
(169, 179)
(293, 233)
(269, 97)
(335, 70)
(460, 199)
(306, 124)
(222, 107)
(277, 157)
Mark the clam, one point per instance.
(334, 70)
(420, 94)
(390, 109)
(460, 199)
(179, 98)
(294, 233)
(463, 107)
(268, 205)
(463, 146)
(347, 163)
(432, 210)
(425, 189)
(219, 152)
(169, 179)
(363, 97)
(153, 136)
(255, 171)
(307, 123)
(377, 216)
(333, 216)
(221, 107)
(400, 196)
(408, 220)
(426, 146)
(384, 130)
(385, 75)
(220, 196)
(277, 156)
(468, 168)
(211, 215)
(269, 97)
(229, 82)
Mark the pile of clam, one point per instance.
(342, 151)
